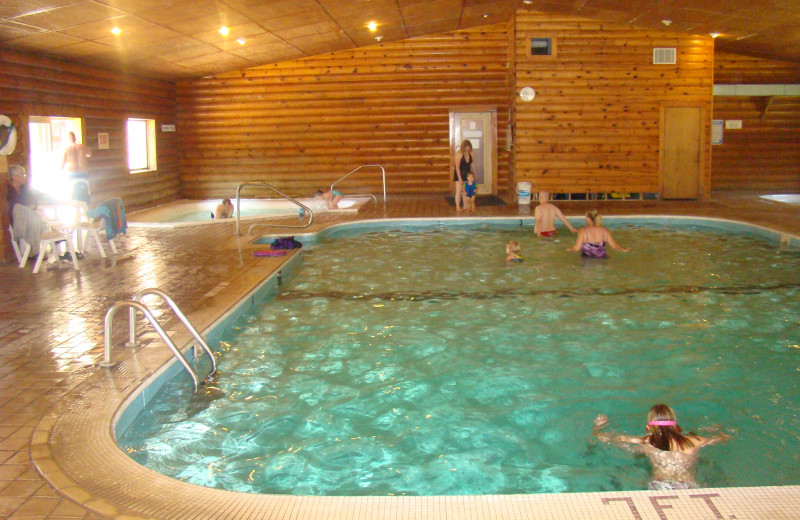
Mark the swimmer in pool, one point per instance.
(513, 252)
(331, 198)
(593, 238)
(224, 210)
(672, 454)
(545, 216)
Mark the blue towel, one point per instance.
(104, 213)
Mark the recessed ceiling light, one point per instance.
(372, 26)
(713, 35)
(240, 41)
(116, 30)
(666, 21)
(224, 31)
(527, 2)
(378, 38)
(485, 15)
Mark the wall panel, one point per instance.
(302, 124)
(38, 86)
(765, 154)
(594, 124)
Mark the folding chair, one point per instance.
(22, 256)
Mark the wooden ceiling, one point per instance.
(178, 39)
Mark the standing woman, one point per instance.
(463, 167)
(593, 238)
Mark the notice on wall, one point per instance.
(102, 141)
(472, 134)
(716, 131)
(733, 124)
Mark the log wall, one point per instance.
(302, 124)
(38, 86)
(764, 155)
(595, 121)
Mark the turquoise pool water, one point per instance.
(420, 363)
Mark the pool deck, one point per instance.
(58, 459)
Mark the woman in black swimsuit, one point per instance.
(463, 167)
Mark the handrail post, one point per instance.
(107, 362)
(273, 188)
(383, 174)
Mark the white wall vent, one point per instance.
(664, 56)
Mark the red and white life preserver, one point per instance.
(8, 139)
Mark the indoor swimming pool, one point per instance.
(413, 360)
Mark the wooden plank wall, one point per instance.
(765, 154)
(302, 124)
(38, 86)
(595, 121)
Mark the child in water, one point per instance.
(672, 454)
(470, 190)
(513, 252)
(224, 210)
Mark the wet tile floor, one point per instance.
(52, 396)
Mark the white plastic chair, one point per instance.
(22, 255)
(48, 241)
(84, 224)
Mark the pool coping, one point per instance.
(97, 474)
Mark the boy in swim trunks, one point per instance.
(545, 215)
(470, 190)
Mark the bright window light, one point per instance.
(141, 135)
(49, 136)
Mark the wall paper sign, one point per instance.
(716, 131)
(102, 141)
(733, 124)
(167, 128)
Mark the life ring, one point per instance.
(269, 252)
(8, 135)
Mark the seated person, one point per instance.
(224, 209)
(26, 223)
(331, 198)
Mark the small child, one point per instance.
(470, 189)
(512, 250)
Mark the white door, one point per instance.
(476, 127)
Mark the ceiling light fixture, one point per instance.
(116, 30)
(224, 31)
(240, 41)
(713, 35)
(372, 26)
(666, 21)
(378, 38)
(527, 2)
(485, 15)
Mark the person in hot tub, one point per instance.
(331, 198)
(224, 210)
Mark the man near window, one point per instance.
(75, 163)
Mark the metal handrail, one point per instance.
(158, 292)
(147, 314)
(383, 172)
(273, 188)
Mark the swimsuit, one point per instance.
(517, 258)
(336, 193)
(594, 249)
(470, 189)
(549, 233)
(464, 166)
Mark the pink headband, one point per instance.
(662, 423)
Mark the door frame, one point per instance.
(453, 145)
(703, 180)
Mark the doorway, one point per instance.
(479, 128)
(681, 150)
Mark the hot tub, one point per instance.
(196, 212)
(791, 198)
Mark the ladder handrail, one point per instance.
(147, 314)
(158, 292)
(273, 188)
(383, 173)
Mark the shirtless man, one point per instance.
(74, 162)
(546, 214)
(672, 455)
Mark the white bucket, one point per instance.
(523, 193)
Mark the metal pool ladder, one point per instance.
(302, 206)
(383, 173)
(135, 304)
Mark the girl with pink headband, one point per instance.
(672, 454)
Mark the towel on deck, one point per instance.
(28, 225)
(113, 212)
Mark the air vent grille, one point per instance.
(664, 56)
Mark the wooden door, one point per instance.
(479, 129)
(681, 149)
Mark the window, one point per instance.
(141, 145)
(48, 138)
(542, 47)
